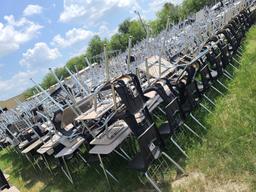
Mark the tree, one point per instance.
(78, 61)
(124, 26)
(192, 6)
(137, 31)
(29, 92)
(168, 11)
(95, 47)
(119, 42)
(48, 80)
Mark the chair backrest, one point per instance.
(132, 99)
(158, 88)
(130, 120)
(174, 114)
(150, 145)
(9, 133)
(247, 15)
(57, 119)
(205, 75)
(58, 123)
(214, 58)
(191, 73)
(84, 105)
(233, 35)
(192, 94)
(230, 37)
(225, 55)
(236, 28)
(38, 131)
(13, 127)
(68, 117)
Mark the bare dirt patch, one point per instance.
(198, 182)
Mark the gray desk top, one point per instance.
(49, 144)
(71, 149)
(92, 114)
(107, 149)
(35, 144)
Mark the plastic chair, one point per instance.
(150, 153)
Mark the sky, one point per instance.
(36, 35)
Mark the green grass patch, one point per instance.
(228, 153)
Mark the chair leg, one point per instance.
(161, 110)
(239, 52)
(233, 66)
(179, 147)
(66, 172)
(228, 75)
(198, 122)
(205, 108)
(121, 155)
(240, 48)
(83, 159)
(222, 84)
(191, 130)
(47, 164)
(174, 162)
(214, 88)
(236, 62)
(152, 183)
(106, 172)
(128, 157)
(32, 163)
(208, 99)
(112, 176)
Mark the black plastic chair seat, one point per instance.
(165, 129)
(186, 107)
(138, 163)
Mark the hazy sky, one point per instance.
(36, 35)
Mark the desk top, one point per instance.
(92, 114)
(46, 126)
(23, 144)
(106, 137)
(69, 127)
(35, 144)
(166, 67)
(49, 144)
(71, 149)
(107, 149)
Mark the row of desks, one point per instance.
(48, 142)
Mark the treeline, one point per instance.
(119, 41)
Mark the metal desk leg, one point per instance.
(121, 149)
(47, 164)
(30, 161)
(121, 155)
(104, 170)
(83, 159)
(66, 172)
(37, 163)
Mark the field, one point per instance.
(225, 159)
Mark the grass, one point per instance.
(225, 159)
(228, 153)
